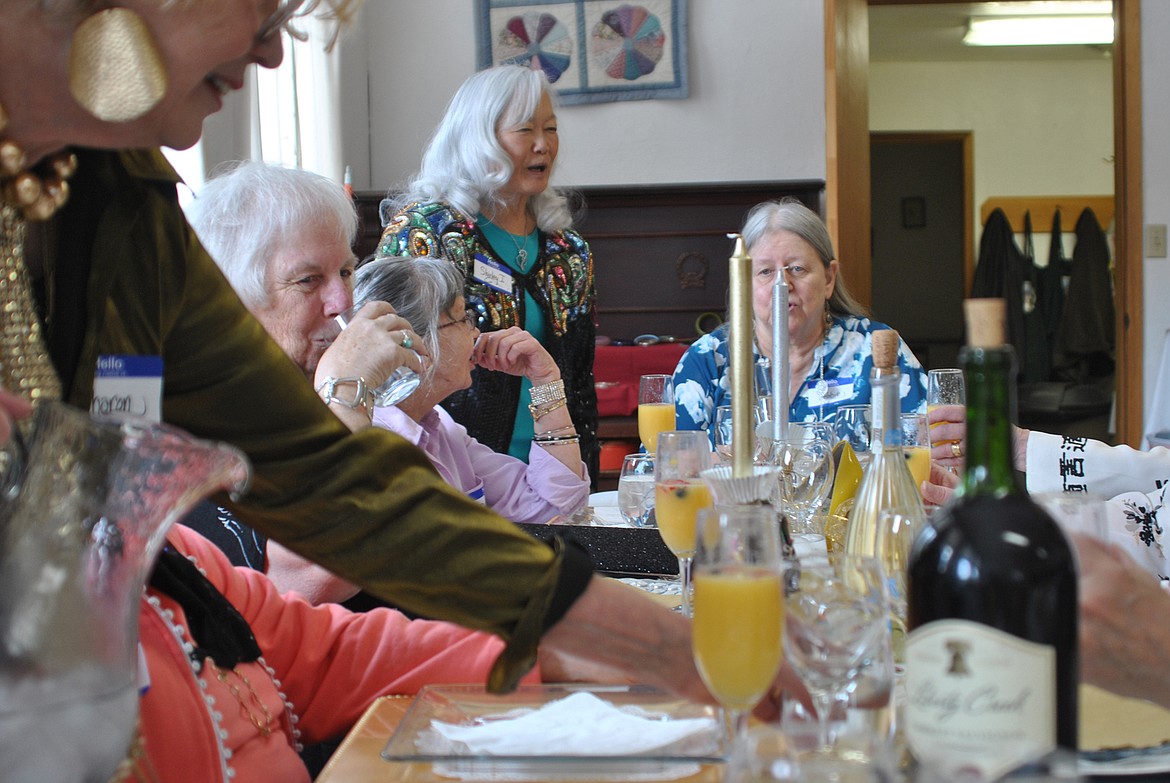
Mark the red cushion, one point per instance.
(617, 368)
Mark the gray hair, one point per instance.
(420, 289)
(790, 215)
(242, 213)
(464, 164)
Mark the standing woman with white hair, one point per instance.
(482, 201)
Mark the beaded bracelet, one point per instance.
(538, 413)
(548, 392)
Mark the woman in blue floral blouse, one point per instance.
(482, 201)
(829, 350)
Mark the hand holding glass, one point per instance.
(402, 381)
(679, 495)
(655, 408)
(945, 387)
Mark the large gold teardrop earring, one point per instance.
(116, 72)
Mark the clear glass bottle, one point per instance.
(887, 509)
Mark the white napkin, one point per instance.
(578, 725)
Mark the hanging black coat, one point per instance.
(1002, 272)
(1085, 339)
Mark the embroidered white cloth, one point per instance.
(577, 725)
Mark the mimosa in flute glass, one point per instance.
(679, 495)
(945, 387)
(655, 408)
(738, 608)
(916, 446)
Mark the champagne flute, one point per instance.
(679, 494)
(945, 387)
(835, 626)
(738, 608)
(655, 408)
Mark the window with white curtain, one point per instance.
(296, 112)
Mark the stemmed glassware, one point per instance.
(805, 459)
(679, 495)
(835, 626)
(655, 408)
(723, 435)
(945, 387)
(851, 424)
(738, 608)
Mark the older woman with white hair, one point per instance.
(829, 347)
(428, 292)
(482, 201)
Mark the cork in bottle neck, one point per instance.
(986, 322)
(885, 349)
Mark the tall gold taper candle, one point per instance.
(740, 338)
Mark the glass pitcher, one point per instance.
(83, 514)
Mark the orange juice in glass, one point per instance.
(918, 460)
(737, 634)
(916, 446)
(655, 408)
(677, 502)
(679, 495)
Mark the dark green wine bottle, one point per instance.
(991, 659)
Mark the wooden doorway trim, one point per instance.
(847, 207)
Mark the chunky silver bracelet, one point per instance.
(363, 396)
(548, 392)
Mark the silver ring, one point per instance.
(406, 341)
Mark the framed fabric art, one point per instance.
(592, 51)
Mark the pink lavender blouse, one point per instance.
(531, 494)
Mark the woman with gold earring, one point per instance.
(829, 355)
(116, 270)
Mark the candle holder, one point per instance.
(757, 488)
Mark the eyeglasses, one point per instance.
(469, 320)
(279, 19)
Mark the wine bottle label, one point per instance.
(979, 702)
(877, 413)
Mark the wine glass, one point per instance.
(402, 381)
(851, 424)
(835, 626)
(738, 608)
(636, 490)
(916, 446)
(679, 495)
(805, 459)
(655, 408)
(723, 434)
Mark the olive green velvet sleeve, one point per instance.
(368, 506)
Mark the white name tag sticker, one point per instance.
(492, 274)
(128, 386)
(829, 390)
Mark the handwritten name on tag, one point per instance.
(128, 386)
(492, 274)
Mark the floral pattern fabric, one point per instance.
(843, 363)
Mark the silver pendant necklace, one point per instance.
(521, 252)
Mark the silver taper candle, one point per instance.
(742, 364)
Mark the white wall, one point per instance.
(1155, 189)
(1039, 128)
(756, 110)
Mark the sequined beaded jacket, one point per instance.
(561, 281)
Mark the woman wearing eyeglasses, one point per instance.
(428, 293)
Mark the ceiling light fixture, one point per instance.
(1038, 30)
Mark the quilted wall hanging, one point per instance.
(592, 51)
